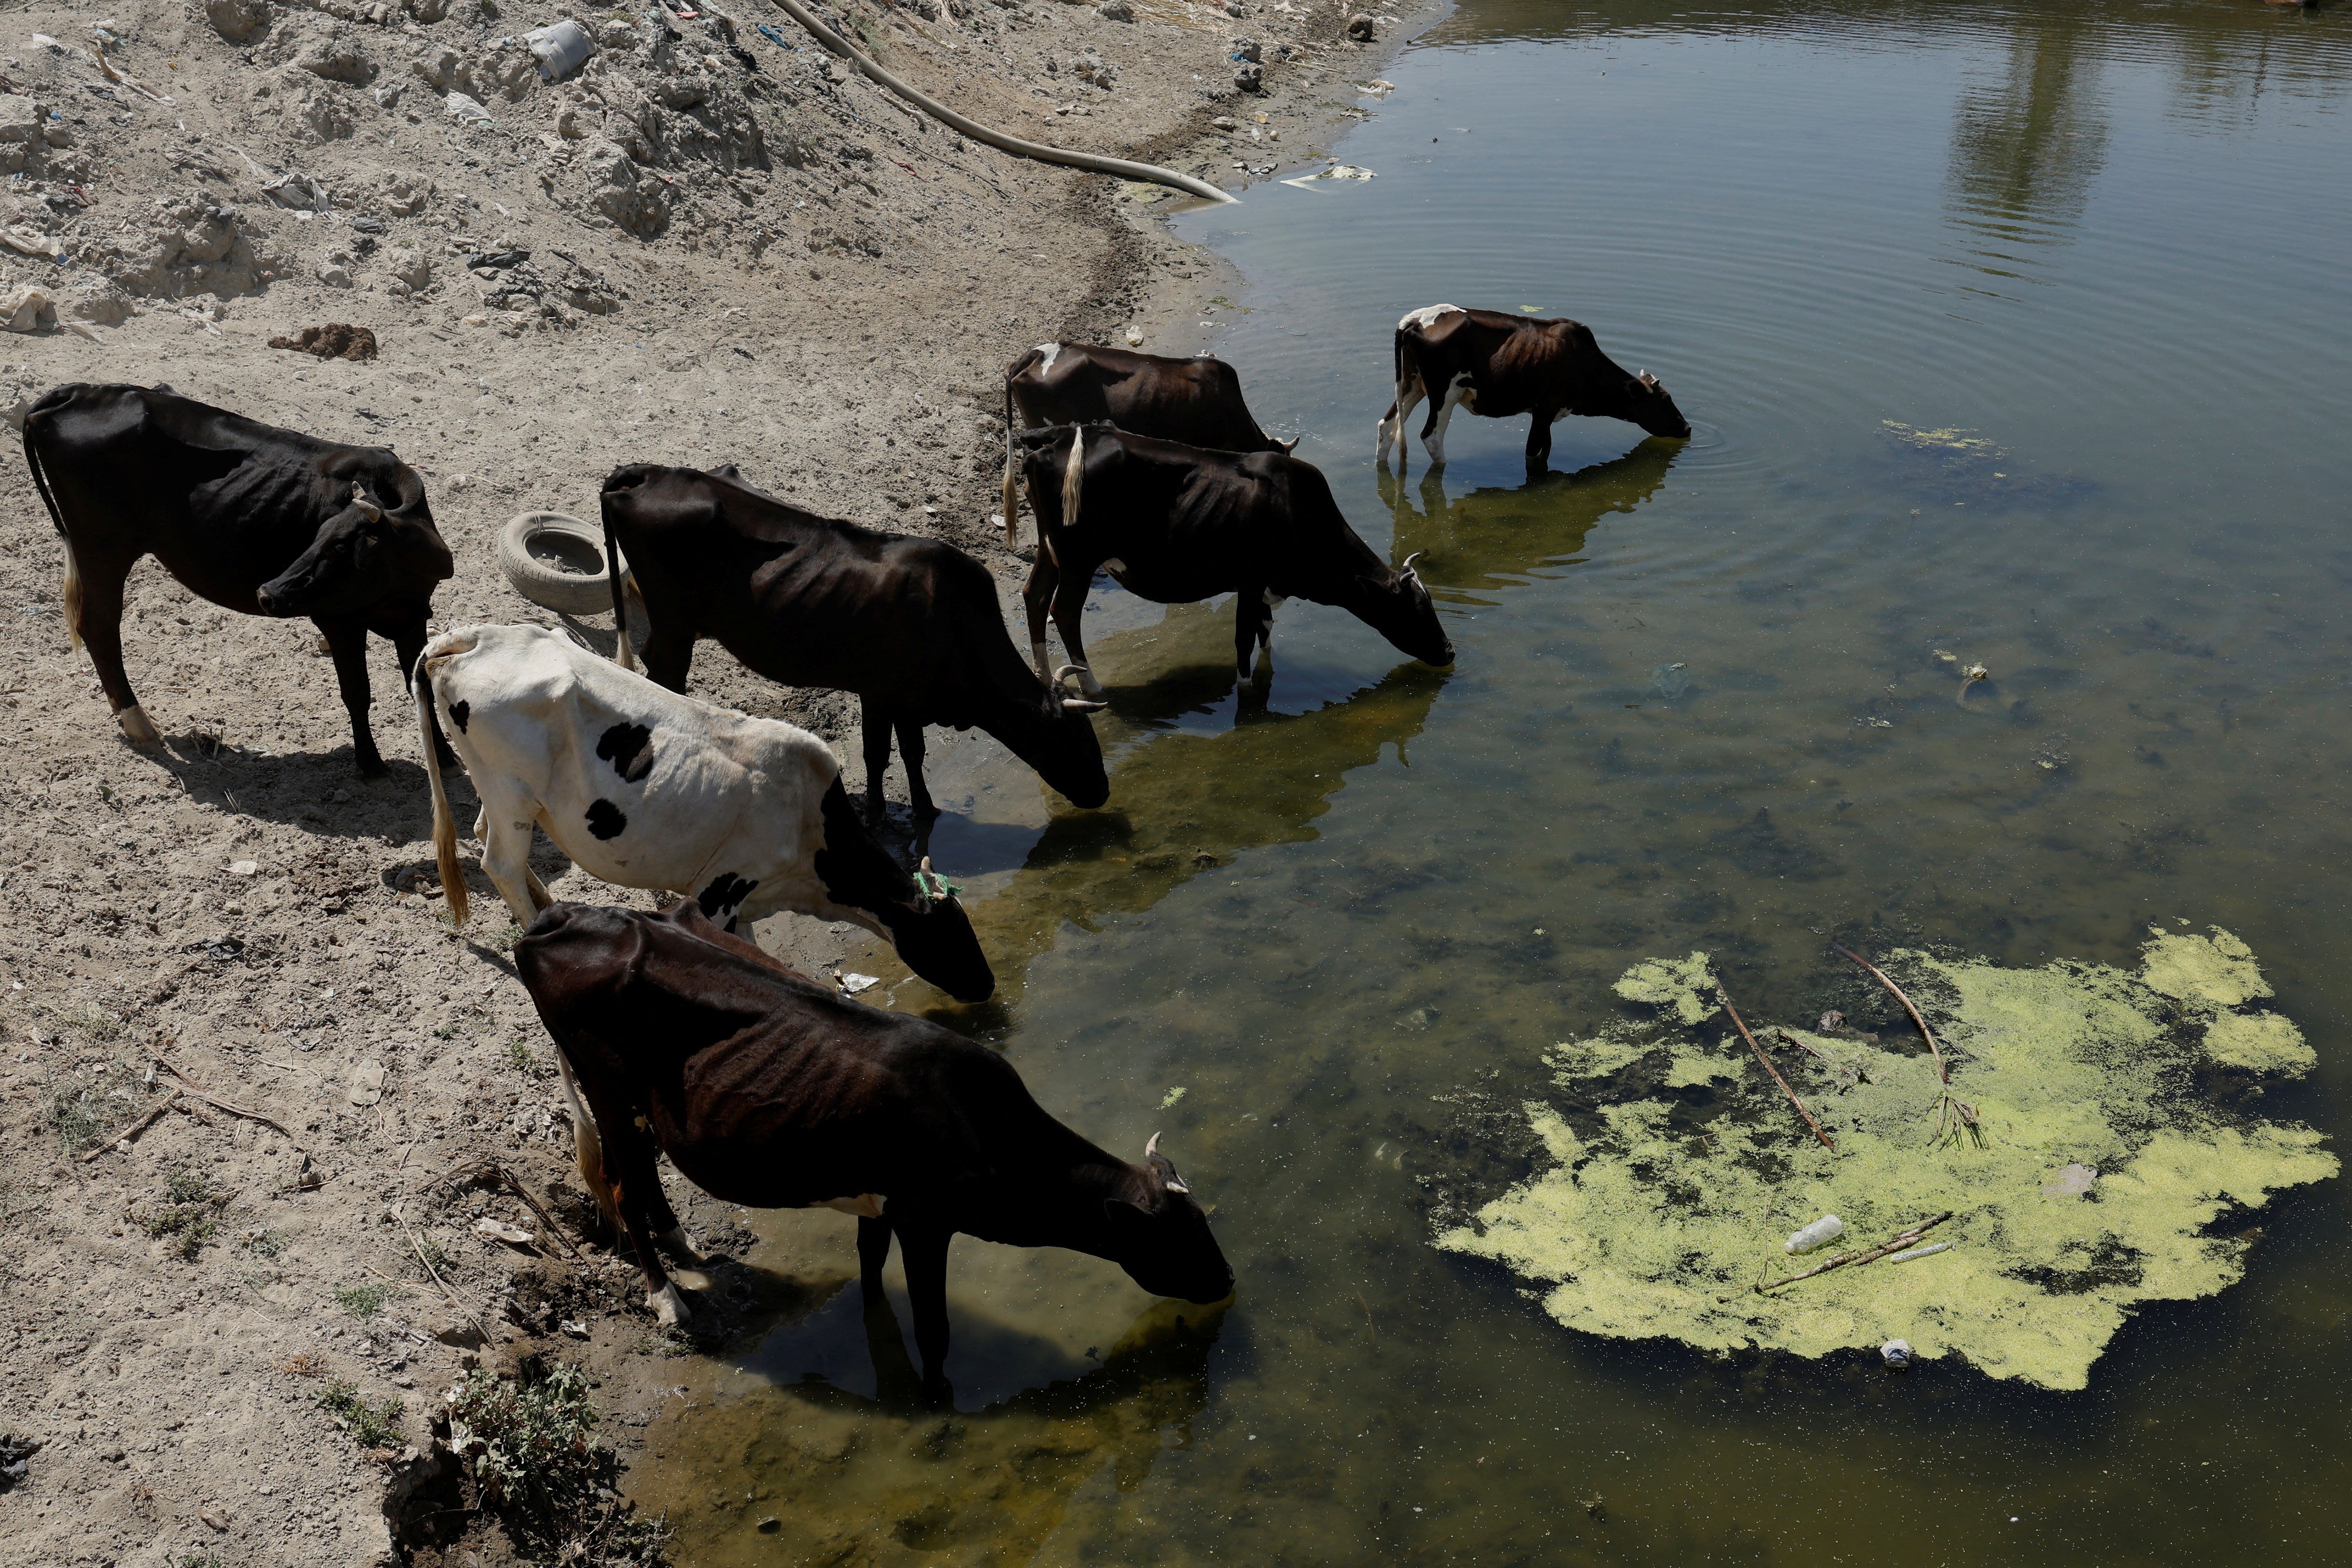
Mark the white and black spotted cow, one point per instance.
(646, 788)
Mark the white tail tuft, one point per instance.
(1074, 477)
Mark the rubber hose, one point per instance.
(939, 112)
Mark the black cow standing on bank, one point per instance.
(769, 1091)
(257, 520)
(1499, 365)
(1175, 524)
(1197, 401)
(910, 624)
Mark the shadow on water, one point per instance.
(1184, 802)
(830, 1455)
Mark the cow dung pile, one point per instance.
(2116, 1137)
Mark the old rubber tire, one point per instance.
(556, 561)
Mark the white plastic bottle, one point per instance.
(1822, 1232)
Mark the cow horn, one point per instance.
(1152, 1147)
(373, 513)
(1073, 705)
(1406, 570)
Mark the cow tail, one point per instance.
(1012, 488)
(622, 654)
(445, 827)
(1074, 477)
(589, 1146)
(70, 595)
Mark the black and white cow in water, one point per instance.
(1499, 365)
(645, 788)
(1197, 401)
(257, 520)
(1176, 524)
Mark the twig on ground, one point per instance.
(417, 1246)
(482, 1169)
(188, 1086)
(1725, 997)
(1867, 1255)
(87, 1155)
(1943, 1069)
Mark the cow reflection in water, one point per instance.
(1500, 532)
(828, 1463)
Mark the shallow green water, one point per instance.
(1697, 705)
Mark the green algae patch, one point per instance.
(1682, 984)
(2114, 1123)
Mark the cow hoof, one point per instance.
(669, 1307)
(139, 728)
(373, 768)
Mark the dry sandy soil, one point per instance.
(735, 254)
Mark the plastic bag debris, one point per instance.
(562, 47)
(465, 110)
(853, 983)
(299, 191)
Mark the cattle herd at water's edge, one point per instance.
(1150, 469)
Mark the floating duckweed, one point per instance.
(1682, 984)
(2105, 1144)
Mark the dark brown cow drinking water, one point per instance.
(1196, 401)
(1500, 365)
(910, 624)
(257, 520)
(1176, 524)
(769, 1091)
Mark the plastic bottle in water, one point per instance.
(1822, 1231)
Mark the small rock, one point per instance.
(216, 1518)
(1250, 78)
(1897, 1353)
(1225, 123)
(1360, 27)
(367, 1083)
(244, 868)
(1247, 50)
(1109, 11)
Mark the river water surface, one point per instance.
(2011, 331)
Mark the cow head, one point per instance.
(920, 915)
(935, 939)
(1056, 737)
(361, 555)
(1645, 402)
(1160, 1237)
(1402, 611)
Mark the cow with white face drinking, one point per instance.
(257, 520)
(1499, 366)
